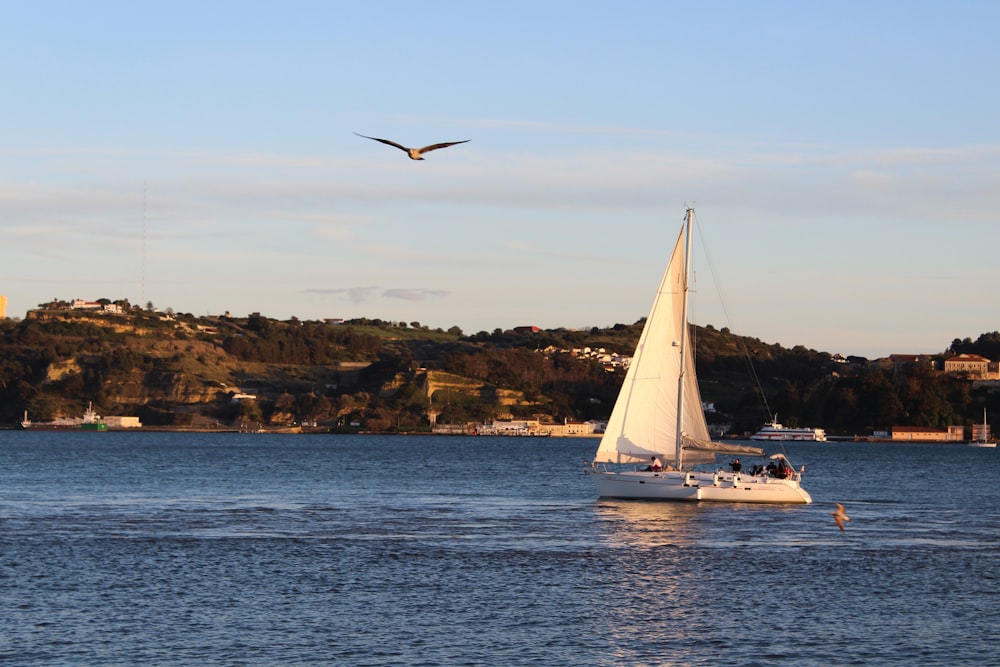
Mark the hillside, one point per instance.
(176, 370)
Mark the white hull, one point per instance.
(699, 486)
(991, 444)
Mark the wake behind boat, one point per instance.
(658, 418)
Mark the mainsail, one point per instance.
(643, 423)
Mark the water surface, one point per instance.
(250, 549)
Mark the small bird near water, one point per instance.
(415, 153)
(840, 516)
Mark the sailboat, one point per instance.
(981, 436)
(656, 445)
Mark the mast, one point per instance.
(684, 335)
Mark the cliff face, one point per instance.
(61, 369)
(440, 386)
(163, 387)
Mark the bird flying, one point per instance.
(415, 153)
(840, 516)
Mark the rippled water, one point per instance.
(226, 549)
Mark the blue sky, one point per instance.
(842, 159)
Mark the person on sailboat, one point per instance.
(655, 464)
(736, 466)
(783, 469)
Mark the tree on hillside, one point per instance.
(987, 345)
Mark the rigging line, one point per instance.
(741, 341)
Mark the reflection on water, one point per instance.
(661, 523)
(629, 523)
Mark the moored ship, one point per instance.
(90, 421)
(775, 431)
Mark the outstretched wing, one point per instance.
(386, 141)
(434, 147)
(840, 516)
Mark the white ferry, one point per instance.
(775, 431)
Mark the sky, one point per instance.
(843, 160)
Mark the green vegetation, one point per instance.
(180, 370)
